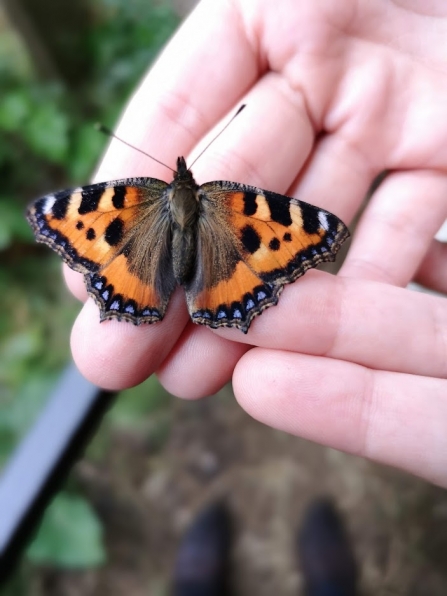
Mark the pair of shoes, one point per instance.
(202, 565)
(325, 554)
(326, 557)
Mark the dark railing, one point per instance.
(43, 460)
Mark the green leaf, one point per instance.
(13, 224)
(88, 144)
(17, 348)
(70, 535)
(14, 109)
(47, 132)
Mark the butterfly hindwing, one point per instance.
(96, 229)
(122, 295)
(267, 240)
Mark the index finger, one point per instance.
(200, 75)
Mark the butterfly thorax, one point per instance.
(184, 208)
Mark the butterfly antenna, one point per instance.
(218, 134)
(104, 130)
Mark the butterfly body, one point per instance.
(184, 204)
(231, 246)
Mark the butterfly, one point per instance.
(231, 246)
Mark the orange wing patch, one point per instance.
(233, 302)
(226, 291)
(268, 246)
(86, 225)
(123, 296)
(282, 237)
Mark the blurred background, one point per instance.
(155, 461)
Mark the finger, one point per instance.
(248, 151)
(369, 323)
(116, 355)
(200, 364)
(198, 78)
(75, 283)
(432, 272)
(397, 227)
(393, 418)
(337, 176)
(121, 355)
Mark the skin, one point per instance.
(336, 92)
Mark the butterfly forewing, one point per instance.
(281, 236)
(96, 230)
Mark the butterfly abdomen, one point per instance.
(183, 254)
(184, 209)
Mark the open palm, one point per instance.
(336, 93)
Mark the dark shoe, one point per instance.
(202, 564)
(325, 552)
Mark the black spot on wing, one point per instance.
(279, 209)
(250, 239)
(91, 234)
(90, 197)
(287, 237)
(274, 244)
(127, 249)
(118, 197)
(56, 240)
(311, 223)
(250, 204)
(324, 250)
(59, 209)
(114, 232)
(79, 225)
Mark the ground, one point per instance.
(147, 491)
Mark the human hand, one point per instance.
(336, 93)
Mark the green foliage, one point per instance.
(124, 44)
(34, 116)
(70, 535)
(12, 224)
(47, 141)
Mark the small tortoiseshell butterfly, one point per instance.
(231, 246)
